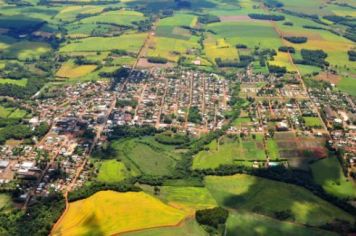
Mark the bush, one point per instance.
(266, 17)
(277, 69)
(206, 19)
(286, 49)
(212, 217)
(352, 55)
(157, 60)
(297, 40)
(313, 58)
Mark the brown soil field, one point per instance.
(329, 77)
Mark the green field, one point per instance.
(188, 197)
(348, 85)
(328, 173)
(229, 151)
(5, 202)
(170, 27)
(146, 156)
(272, 148)
(244, 192)
(120, 17)
(254, 33)
(9, 112)
(112, 171)
(188, 228)
(26, 50)
(250, 224)
(129, 42)
(313, 122)
(19, 82)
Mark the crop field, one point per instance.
(171, 26)
(328, 173)
(109, 212)
(254, 33)
(120, 17)
(188, 228)
(146, 156)
(282, 60)
(187, 198)
(112, 171)
(249, 224)
(129, 42)
(296, 150)
(81, 30)
(26, 50)
(69, 70)
(229, 151)
(172, 48)
(69, 13)
(335, 46)
(249, 193)
(219, 48)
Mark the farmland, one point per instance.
(121, 214)
(243, 192)
(146, 156)
(112, 171)
(229, 151)
(328, 173)
(71, 71)
(177, 117)
(129, 42)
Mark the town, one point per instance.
(81, 116)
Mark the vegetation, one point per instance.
(297, 40)
(158, 60)
(120, 212)
(313, 58)
(212, 217)
(267, 17)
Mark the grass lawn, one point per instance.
(249, 193)
(250, 224)
(328, 173)
(109, 212)
(5, 202)
(313, 122)
(112, 171)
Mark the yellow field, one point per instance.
(282, 59)
(219, 48)
(68, 70)
(109, 212)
